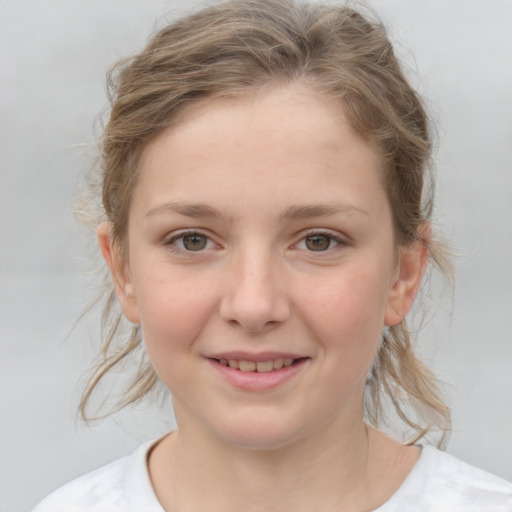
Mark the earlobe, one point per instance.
(411, 268)
(119, 272)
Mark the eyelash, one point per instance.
(171, 242)
(332, 236)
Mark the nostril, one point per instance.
(255, 305)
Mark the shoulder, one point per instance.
(101, 489)
(440, 482)
(113, 488)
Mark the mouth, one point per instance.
(262, 372)
(258, 366)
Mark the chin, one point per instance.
(260, 433)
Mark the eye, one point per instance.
(319, 242)
(190, 242)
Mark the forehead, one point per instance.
(284, 139)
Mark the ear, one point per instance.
(119, 272)
(412, 263)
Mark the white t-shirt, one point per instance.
(437, 483)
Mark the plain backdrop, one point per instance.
(53, 59)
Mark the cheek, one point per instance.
(354, 299)
(348, 314)
(173, 313)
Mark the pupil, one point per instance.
(194, 242)
(318, 242)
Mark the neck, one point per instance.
(326, 471)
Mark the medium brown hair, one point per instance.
(231, 50)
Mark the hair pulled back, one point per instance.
(231, 50)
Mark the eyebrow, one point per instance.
(195, 210)
(294, 212)
(308, 211)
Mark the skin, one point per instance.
(258, 286)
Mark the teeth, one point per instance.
(264, 366)
(278, 363)
(260, 366)
(247, 366)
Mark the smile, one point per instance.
(258, 373)
(257, 366)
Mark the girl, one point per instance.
(267, 229)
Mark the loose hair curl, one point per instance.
(230, 50)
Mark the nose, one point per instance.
(255, 296)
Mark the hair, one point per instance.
(230, 50)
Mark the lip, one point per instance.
(240, 355)
(255, 381)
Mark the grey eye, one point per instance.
(194, 242)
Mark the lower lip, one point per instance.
(254, 381)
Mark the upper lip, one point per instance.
(239, 355)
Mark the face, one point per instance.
(262, 266)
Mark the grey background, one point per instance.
(53, 57)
